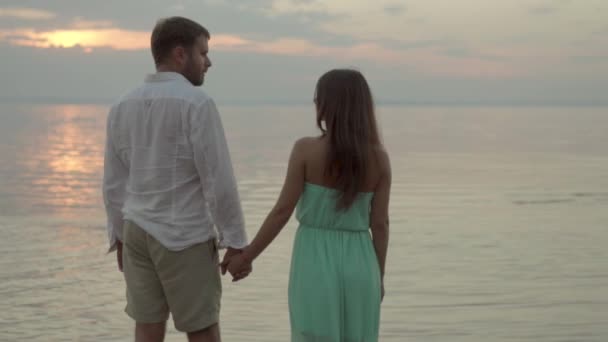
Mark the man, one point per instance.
(168, 180)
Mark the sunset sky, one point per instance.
(272, 51)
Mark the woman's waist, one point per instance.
(334, 227)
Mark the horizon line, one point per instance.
(51, 100)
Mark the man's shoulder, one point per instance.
(188, 93)
(176, 92)
(127, 96)
(197, 96)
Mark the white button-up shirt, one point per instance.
(167, 167)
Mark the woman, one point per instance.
(340, 182)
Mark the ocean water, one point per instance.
(499, 224)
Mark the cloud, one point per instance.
(397, 39)
(427, 60)
(543, 10)
(81, 23)
(603, 32)
(460, 50)
(584, 59)
(251, 18)
(26, 13)
(394, 9)
(88, 39)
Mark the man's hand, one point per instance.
(239, 267)
(119, 254)
(235, 264)
(230, 253)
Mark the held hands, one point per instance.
(234, 262)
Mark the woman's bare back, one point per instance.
(314, 150)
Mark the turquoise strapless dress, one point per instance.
(334, 283)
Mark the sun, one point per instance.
(71, 38)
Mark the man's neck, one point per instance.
(166, 68)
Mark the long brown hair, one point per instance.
(345, 104)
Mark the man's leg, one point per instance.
(210, 334)
(192, 286)
(150, 332)
(146, 302)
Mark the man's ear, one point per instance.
(180, 55)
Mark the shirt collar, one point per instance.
(165, 76)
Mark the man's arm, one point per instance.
(214, 166)
(115, 176)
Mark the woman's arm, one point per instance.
(379, 211)
(279, 215)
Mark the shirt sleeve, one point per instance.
(214, 166)
(115, 176)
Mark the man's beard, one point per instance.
(193, 76)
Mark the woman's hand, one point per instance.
(237, 266)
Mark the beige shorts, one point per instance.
(186, 283)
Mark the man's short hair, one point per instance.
(174, 31)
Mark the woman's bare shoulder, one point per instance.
(382, 159)
(307, 145)
(308, 140)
